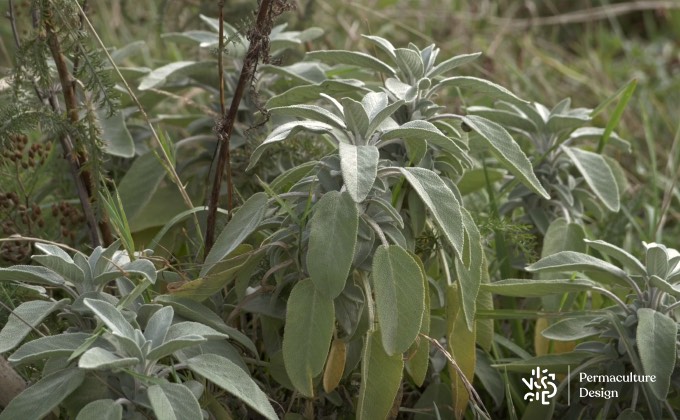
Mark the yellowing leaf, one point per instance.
(335, 365)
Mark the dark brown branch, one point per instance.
(79, 49)
(259, 48)
(220, 57)
(82, 176)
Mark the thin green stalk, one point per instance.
(653, 165)
(175, 177)
(626, 95)
(503, 259)
(668, 194)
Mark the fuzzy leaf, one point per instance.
(192, 310)
(380, 379)
(452, 63)
(307, 335)
(284, 131)
(332, 241)
(305, 93)
(410, 63)
(381, 43)
(31, 274)
(61, 345)
(101, 410)
(507, 151)
(158, 325)
(399, 297)
(378, 116)
(173, 402)
(598, 175)
(230, 377)
(416, 365)
(24, 318)
(570, 329)
(536, 288)
(311, 112)
(222, 274)
(480, 86)
(619, 254)
(244, 222)
(356, 118)
(98, 358)
(359, 168)
(655, 337)
(141, 267)
(353, 58)
(112, 317)
(440, 201)
(60, 262)
(43, 396)
(574, 261)
(424, 130)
